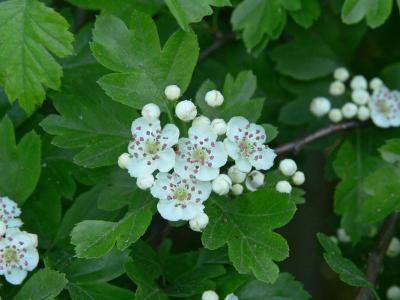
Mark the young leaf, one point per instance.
(19, 164)
(29, 32)
(375, 12)
(246, 225)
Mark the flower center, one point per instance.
(383, 107)
(10, 256)
(151, 147)
(181, 193)
(245, 147)
(199, 155)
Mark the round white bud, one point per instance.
(298, 178)
(237, 189)
(360, 97)
(335, 115)
(342, 236)
(375, 83)
(218, 126)
(201, 121)
(359, 82)
(123, 160)
(337, 88)
(199, 222)
(320, 106)
(209, 295)
(151, 112)
(236, 175)
(222, 184)
(146, 182)
(349, 110)
(393, 293)
(341, 74)
(231, 296)
(394, 248)
(363, 113)
(172, 92)
(283, 186)
(214, 98)
(186, 110)
(3, 228)
(288, 167)
(255, 179)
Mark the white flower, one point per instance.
(298, 178)
(360, 97)
(123, 160)
(359, 83)
(200, 155)
(349, 110)
(18, 255)
(394, 248)
(150, 148)
(320, 106)
(245, 144)
(151, 112)
(186, 110)
(9, 213)
(237, 189)
(337, 88)
(335, 115)
(180, 198)
(201, 121)
(385, 108)
(363, 113)
(218, 126)
(214, 98)
(236, 175)
(342, 236)
(393, 293)
(288, 167)
(3, 228)
(222, 184)
(209, 295)
(341, 74)
(172, 92)
(145, 182)
(231, 296)
(375, 83)
(283, 186)
(199, 222)
(254, 180)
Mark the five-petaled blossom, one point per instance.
(180, 198)
(9, 213)
(245, 144)
(200, 155)
(385, 108)
(18, 255)
(151, 147)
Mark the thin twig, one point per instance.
(298, 144)
(221, 40)
(376, 256)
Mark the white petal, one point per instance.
(243, 164)
(161, 188)
(169, 135)
(234, 125)
(15, 276)
(266, 161)
(140, 126)
(231, 148)
(32, 257)
(203, 190)
(219, 155)
(141, 167)
(14, 223)
(182, 167)
(166, 161)
(169, 211)
(206, 173)
(379, 120)
(202, 132)
(257, 133)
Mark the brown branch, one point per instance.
(222, 40)
(298, 144)
(376, 255)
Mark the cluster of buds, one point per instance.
(288, 168)
(212, 295)
(18, 249)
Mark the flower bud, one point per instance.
(254, 180)
(288, 167)
(146, 182)
(172, 92)
(341, 74)
(222, 184)
(337, 88)
(320, 106)
(363, 113)
(335, 115)
(123, 160)
(218, 126)
(231, 296)
(3, 228)
(393, 293)
(201, 121)
(199, 222)
(342, 236)
(214, 98)
(237, 189)
(298, 178)
(151, 112)
(359, 82)
(236, 175)
(186, 110)
(394, 248)
(375, 83)
(283, 186)
(209, 295)
(360, 97)
(349, 110)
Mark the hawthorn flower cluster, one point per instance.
(18, 249)
(371, 100)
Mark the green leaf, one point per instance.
(375, 12)
(285, 288)
(44, 284)
(29, 32)
(246, 225)
(271, 132)
(390, 152)
(20, 169)
(348, 272)
(186, 12)
(84, 107)
(142, 69)
(98, 291)
(391, 75)
(307, 14)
